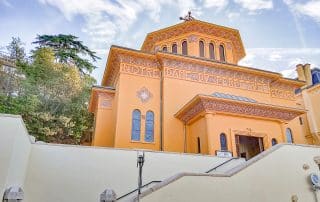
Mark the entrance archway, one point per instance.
(248, 146)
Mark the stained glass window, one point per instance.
(223, 142)
(149, 135)
(136, 125)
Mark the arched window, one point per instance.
(223, 142)
(201, 48)
(211, 51)
(274, 141)
(136, 124)
(149, 135)
(164, 49)
(174, 48)
(289, 135)
(184, 48)
(222, 53)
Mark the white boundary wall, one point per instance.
(64, 173)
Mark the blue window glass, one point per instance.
(289, 135)
(223, 142)
(315, 77)
(136, 124)
(149, 135)
(274, 141)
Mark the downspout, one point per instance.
(185, 136)
(161, 110)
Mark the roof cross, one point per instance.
(188, 17)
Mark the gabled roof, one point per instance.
(196, 26)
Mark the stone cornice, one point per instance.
(209, 104)
(195, 26)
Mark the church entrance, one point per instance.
(248, 146)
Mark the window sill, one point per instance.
(142, 142)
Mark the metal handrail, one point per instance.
(155, 181)
(225, 162)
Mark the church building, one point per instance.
(184, 91)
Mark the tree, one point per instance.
(53, 98)
(16, 49)
(68, 49)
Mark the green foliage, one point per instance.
(52, 98)
(68, 49)
(16, 49)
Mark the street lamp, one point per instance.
(140, 162)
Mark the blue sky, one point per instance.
(277, 34)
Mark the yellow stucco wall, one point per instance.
(129, 85)
(215, 124)
(173, 80)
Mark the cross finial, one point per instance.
(188, 17)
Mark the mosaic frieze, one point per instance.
(216, 76)
(138, 61)
(284, 91)
(237, 108)
(140, 70)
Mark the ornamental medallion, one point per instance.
(144, 94)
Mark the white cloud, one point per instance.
(275, 56)
(215, 3)
(248, 60)
(105, 19)
(282, 60)
(310, 8)
(233, 15)
(289, 73)
(255, 5)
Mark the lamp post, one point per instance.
(140, 162)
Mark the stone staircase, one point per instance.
(220, 169)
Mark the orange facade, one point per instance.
(184, 89)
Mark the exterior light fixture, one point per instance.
(13, 194)
(108, 195)
(140, 162)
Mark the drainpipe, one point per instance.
(161, 110)
(185, 136)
